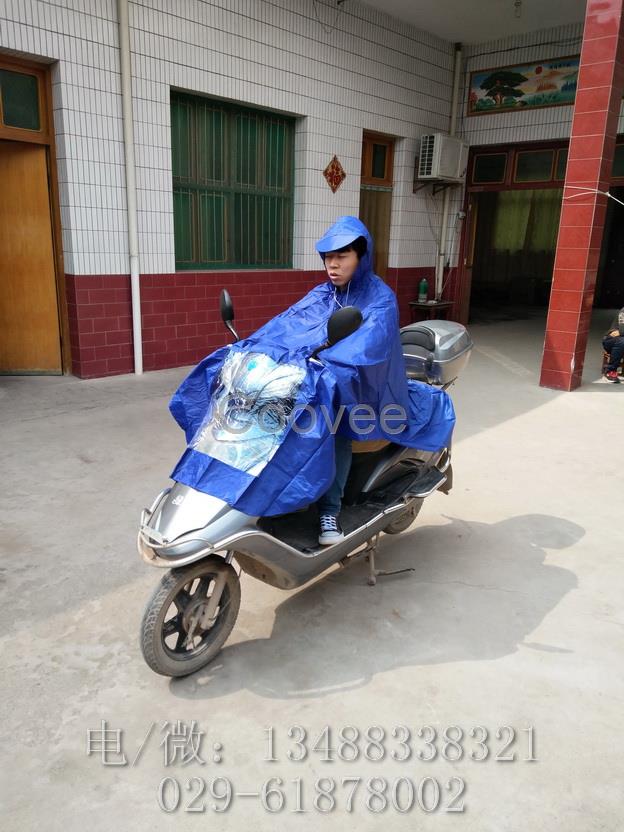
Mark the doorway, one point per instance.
(29, 320)
(610, 279)
(513, 203)
(376, 195)
(515, 237)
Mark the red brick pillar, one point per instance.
(590, 159)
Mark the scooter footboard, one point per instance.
(285, 551)
(271, 557)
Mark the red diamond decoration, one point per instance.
(335, 174)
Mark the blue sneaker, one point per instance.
(331, 532)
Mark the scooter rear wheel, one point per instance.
(172, 641)
(405, 519)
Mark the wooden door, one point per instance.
(464, 283)
(376, 195)
(29, 318)
(375, 206)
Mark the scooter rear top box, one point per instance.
(435, 351)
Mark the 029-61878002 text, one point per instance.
(324, 795)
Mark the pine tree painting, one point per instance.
(503, 84)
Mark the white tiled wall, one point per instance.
(341, 70)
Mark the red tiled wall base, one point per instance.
(100, 324)
(405, 284)
(180, 313)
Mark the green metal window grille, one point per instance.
(233, 177)
(20, 100)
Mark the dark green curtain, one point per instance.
(527, 220)
(515, 246)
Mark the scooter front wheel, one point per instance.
(175, 638)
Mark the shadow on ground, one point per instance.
(476, 592)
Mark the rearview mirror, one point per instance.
(227, 307)
(343, 323)
(227, 311)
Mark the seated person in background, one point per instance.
(613, 343)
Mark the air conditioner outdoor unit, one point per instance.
(442, 158)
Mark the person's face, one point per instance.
(341, 266)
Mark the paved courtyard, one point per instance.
(511, 619)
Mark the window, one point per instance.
(534, 165)
(562, 160)
(489, 168)
(19, 100)
(518, 167)
(377, 160)
(232, 185)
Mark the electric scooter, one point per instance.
(204, 544)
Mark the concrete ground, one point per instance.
(511, 617)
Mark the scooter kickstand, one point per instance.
(373, 573)
(371, 548)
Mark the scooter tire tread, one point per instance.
(162, 596)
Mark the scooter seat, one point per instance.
(417, 335)
(368, 446)
(362, 466)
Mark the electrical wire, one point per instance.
(436, 235)
(337, 302)
(586, 191)
(327, 29)
(561, 42)
(450, 256)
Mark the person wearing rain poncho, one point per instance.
(270, 432)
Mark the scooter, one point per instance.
(205, 544)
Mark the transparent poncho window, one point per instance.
(250, 411)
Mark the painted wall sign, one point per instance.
(505, 89)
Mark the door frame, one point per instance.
(461, 310)
(463, 283)
(466, 257)
(45, 136)
(370, 183)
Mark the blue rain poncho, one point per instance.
(259, 416)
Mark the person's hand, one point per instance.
(614, 333)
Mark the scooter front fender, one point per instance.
(184, 525)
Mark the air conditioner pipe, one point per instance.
(446, 199)
(128, 135)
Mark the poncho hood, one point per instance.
(344, 231)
